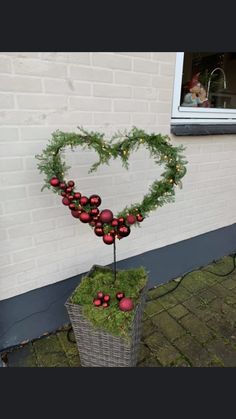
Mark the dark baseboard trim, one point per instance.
(202, 129)
(29, 315)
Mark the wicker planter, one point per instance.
(98, 348)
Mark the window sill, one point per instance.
(202, 129)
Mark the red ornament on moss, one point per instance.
(100, 295)
(54, 181)
(106, 298)
(130, 219)
(108, 239)
(105, 304)
(97, 302)
(120, 295)
(85, 217)
(95, 200)
(106, 216)
(126, 304)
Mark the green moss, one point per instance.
(110, 319)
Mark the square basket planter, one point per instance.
(99, 348)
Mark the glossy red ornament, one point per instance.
(98, 224)
(121, 220)
(62, 185)
(95, 219)
(106, 216)
(108, 239)
(105, 304)
(63, 193)
(106, 298)
(85, 217)
(115, 222)
(71, 183)
(54, 181)
(120, 295)
(112, 232)
(123, 231)
(72, 206)
(99, 231)
(75, 213)
(77, 195)
(130, 219)
(97, 302)
(100, 295)
(70, 197)
(126, 304)
(95, 200)
(139, 218)
(69, 190)
(66, 201)
(94, 212)
(84, 200)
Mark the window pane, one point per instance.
(209, 80)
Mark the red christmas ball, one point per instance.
(63, 193)
(139, 218)
(65, 201)
(123, 231)
(115, 222)
(77, 195)
(97, 302)
(95, 200)
(54, 181)
(94, 212)
(99, 231)
(85, 217)
(92, 223)
(120, 295)
(130, 219)
(105, 304)
(98, 224)
(106, 216)
(121, 220)
(72, 206)
(70, 197)
(100, 295)
(106, 298)
(84, 200)
(69, 190)
(126, 304)
(96, 219)
(112, 232)
(108, 239)
(75, 213)
(71, 183)
(62, 185)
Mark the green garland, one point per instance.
(121, 146)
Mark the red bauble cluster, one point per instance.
(126, 304)
(101, 300)
(86, 210)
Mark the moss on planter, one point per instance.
(111, 319)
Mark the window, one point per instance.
(205, 89)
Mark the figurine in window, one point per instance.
(191, 98)
(203, 99)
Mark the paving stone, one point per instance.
(153, 307)
(149, 362)
(229, 283)
(178, 311)
(225, 351)
(69, 348)
(221, 266)
(181, 294)
(144, 353)
(168, 301)
(223, 328)
(162, 349)
(49, 352)
(206, 296)
(168, 326)
(197, 328)
(196, 354)
(74, 361)
(194, 282)
(222, 292)
(147, 328)
(161, 289)
(181, 362)
(22, 357)
(192, 302)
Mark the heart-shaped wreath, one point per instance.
(121, 145)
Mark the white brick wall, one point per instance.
(42, 92)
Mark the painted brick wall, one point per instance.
(41, 92)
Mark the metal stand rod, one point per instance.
(114, 263)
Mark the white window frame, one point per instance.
(191, 115)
